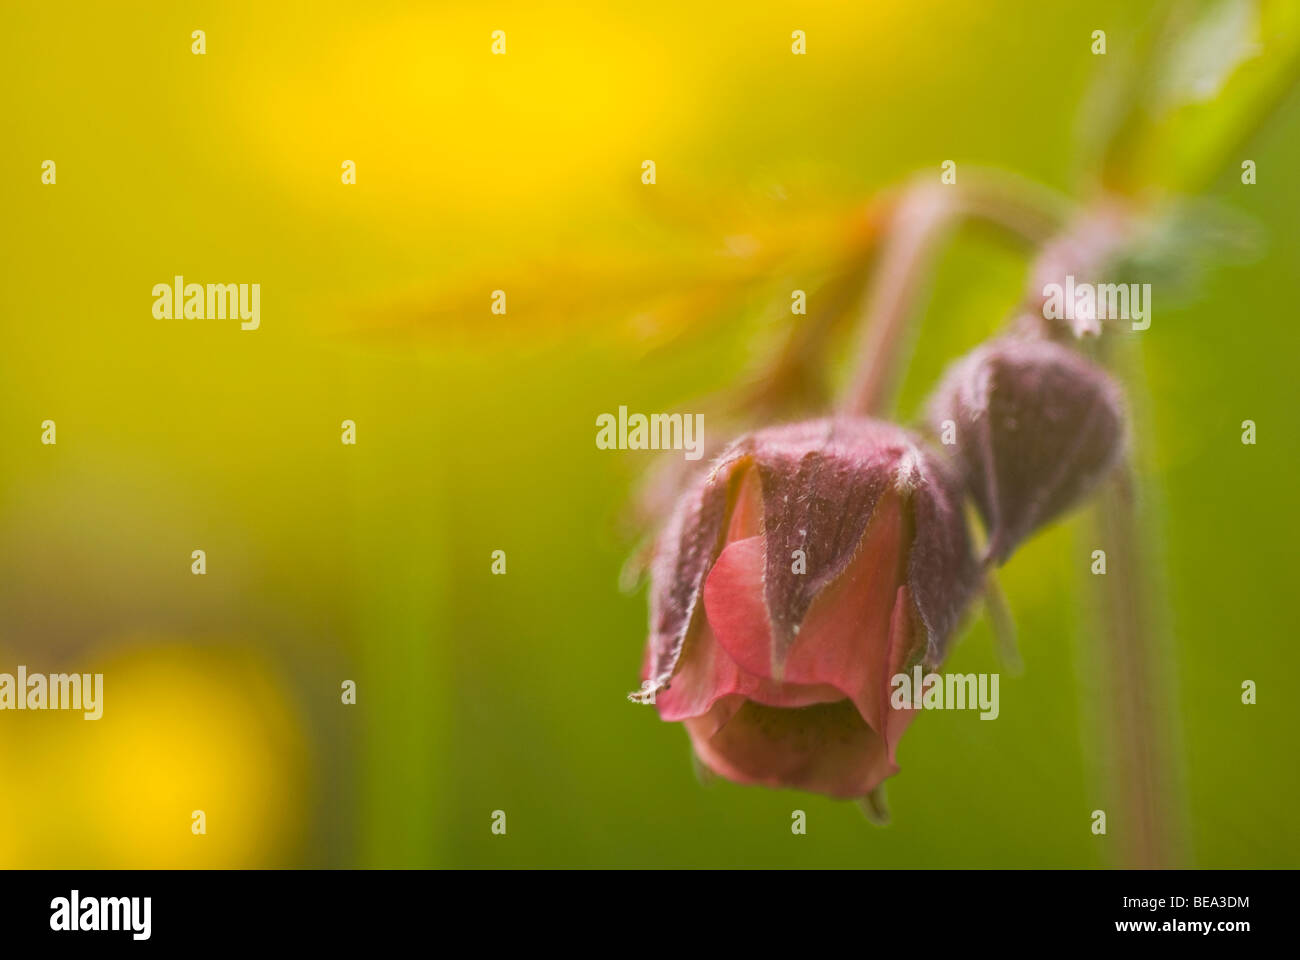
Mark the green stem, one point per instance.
(1135, 716)
(1133, 709)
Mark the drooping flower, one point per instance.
(811, 565)
(1037, 425)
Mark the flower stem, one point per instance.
(1029, 213)
(1134, 714)
(920, 221)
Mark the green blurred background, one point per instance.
(475, 432)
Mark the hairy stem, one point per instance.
(920, 221)
(1133, 710)
(1027, 212)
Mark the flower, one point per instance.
(812, 564)
(1037, 425)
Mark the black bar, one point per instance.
(644, 909)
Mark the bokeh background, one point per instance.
(475, 431)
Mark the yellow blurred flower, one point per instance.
(183, 729)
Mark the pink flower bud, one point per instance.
(812, 564)
(1037, 425)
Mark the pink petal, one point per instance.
(859, 632)
(747, 513)
(685, 551)
(707, 674)
(736, 607)
(826, 748)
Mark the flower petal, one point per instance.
(736, 607)
(859, 632)
(686, 550)
(706, 674)
(821, 482)
(825, 748)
